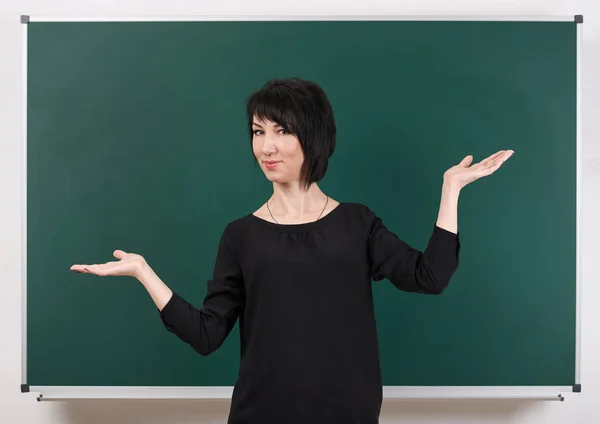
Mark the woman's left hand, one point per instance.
(462, 174)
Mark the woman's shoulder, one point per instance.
(362, 213)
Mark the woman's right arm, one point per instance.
(158, 291)
(203, 329)
(206, 328)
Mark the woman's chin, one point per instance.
(274, 178)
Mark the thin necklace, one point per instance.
(327, 201)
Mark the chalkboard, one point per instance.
(136, 139)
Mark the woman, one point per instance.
(297, 272)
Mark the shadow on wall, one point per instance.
(457, 410)
(159, 411)
(144, 411)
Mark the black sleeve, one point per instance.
(205, 329)
(410, 269)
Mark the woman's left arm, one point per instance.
(429, 271)
(459, 176)
(448, 214)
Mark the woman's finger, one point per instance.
(500, 159)
(79, 268)
(97, 269)
(492, 157)
(90, 269)
(119, 254)
(493, 166)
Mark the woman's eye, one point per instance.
(282, 132)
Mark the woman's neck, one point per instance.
(294, 201)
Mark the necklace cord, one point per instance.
(269, 209)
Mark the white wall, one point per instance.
(23, 408)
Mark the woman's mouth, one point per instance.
(271, 164)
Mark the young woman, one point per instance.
(297, 273)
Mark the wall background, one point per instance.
(23, 408)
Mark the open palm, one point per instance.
(464, 173)
(129, 264)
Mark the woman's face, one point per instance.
(278, 152)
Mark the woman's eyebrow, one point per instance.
(275, 125)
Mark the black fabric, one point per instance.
(302, 293)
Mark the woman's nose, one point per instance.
(268, 145)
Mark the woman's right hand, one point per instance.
(129, 264)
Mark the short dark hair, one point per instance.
(303, 109)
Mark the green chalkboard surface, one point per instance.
(136, 140)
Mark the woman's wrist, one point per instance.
(144, 272)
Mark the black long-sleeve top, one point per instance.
(302, 293)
